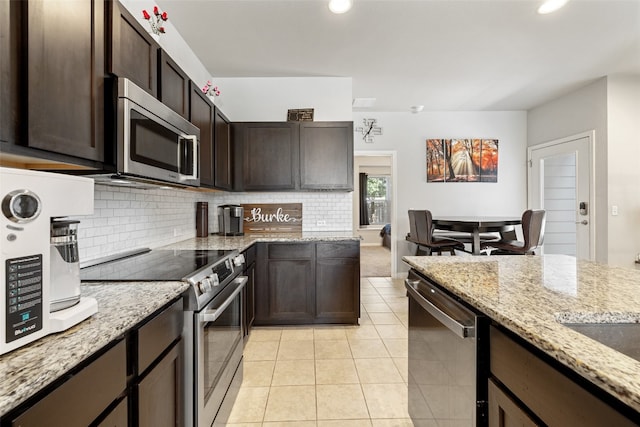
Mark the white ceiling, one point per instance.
(443, 54)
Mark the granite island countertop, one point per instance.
(530, 295)
(121, 306)
(241, 243)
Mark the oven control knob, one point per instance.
(204, 285)
(200, 287)
(213, 279)
(239, 260)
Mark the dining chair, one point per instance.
(533, 224)
(421, 233)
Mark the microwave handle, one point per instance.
(196, 157)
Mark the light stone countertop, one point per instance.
(121, 306)
(529, 294)
(241, 243)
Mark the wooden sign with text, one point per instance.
(273, 218)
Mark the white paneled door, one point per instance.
(560, 182)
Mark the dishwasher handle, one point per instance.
(458, 328)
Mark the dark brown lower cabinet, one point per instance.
(118, 417)
(86, 395)
(158, 395)
(531, 389)
(157, 363)
(250, 289)
(305, 283)
(338, 282)
(138, 381)
(284, 294)
(504, 411)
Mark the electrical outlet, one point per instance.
(175, 232)
(614, 210)
(321, 223)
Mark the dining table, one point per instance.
(476, 225)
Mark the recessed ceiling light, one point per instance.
(340, 6)
(363, 102)
(551, 6)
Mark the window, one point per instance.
(378, 199)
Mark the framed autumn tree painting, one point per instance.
(462, 160)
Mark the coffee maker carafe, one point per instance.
(230, 220)
(65, 264)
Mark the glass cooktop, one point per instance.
(156, 265)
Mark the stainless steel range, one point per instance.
(212, 324)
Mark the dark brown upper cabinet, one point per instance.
(174, 83)
(7, 107)
(304, 156)
(267, 157)
(201, 115)
(222, 152)
(326, 156)
(133, 53)
(61, 63)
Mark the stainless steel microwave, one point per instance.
(153, 141)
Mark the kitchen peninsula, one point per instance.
(528, 298)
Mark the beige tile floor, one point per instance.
(331, 376)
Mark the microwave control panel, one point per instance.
(23, 296)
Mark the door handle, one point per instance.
(583, 222)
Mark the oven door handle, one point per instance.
(212, 315)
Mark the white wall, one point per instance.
(267, 99)
(406, 134)
(610, 106)
(580, 111)
(623, 139)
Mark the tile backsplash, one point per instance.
(126, 219)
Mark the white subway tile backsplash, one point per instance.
(126, 219)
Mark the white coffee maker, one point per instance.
(29, 202)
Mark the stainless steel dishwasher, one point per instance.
(448, 358)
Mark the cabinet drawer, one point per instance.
(291, 250)
(548, 393)
(338, 250)
(82, 398)
(158, 334)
